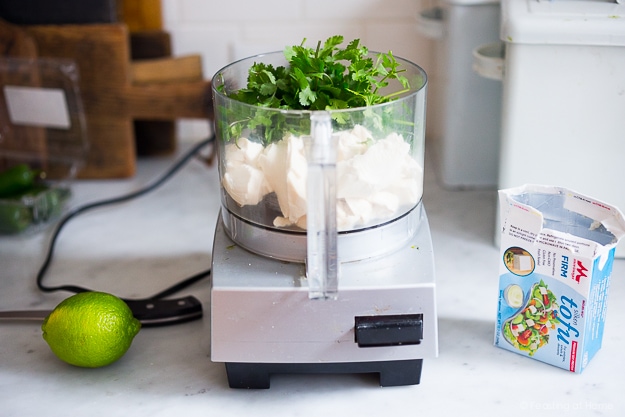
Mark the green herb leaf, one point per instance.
(326, 77)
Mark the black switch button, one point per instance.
(389, 330)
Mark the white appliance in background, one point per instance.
(563, 114)
(466, 143)
(563, 75)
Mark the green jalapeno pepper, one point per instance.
(25, 201)
(14, 217)
(16, 179)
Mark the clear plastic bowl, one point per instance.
(263, 171)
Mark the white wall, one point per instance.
(223, 31)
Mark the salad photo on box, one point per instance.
(529, 328)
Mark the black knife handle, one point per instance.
(158, 312)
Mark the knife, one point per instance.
(150, 313)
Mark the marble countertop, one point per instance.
(138, 248)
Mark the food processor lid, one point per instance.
(564, 22)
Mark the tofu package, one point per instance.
(556, 254)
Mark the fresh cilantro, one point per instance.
(323, 78)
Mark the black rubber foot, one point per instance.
(257, 375)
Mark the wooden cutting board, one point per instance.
(152, 137)
(148, 40)
(111, 101)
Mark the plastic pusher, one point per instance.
(321, 255)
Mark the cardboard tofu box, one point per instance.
(556, 255)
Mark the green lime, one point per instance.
(90, 329)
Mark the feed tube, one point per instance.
(321, 257)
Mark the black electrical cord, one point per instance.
(84, 208)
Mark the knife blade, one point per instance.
(150, 313)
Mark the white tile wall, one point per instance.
(224, 31)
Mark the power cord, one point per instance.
(115, 200)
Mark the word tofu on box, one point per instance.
(557, 251)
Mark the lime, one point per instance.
(90, 329)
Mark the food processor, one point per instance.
(322, 259)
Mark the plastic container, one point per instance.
(563, 104)
(466, 142)
(42, 127)
(376, 151)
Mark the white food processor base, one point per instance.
(383, 321)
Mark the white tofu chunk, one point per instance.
(375, 179)
(243, 180)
